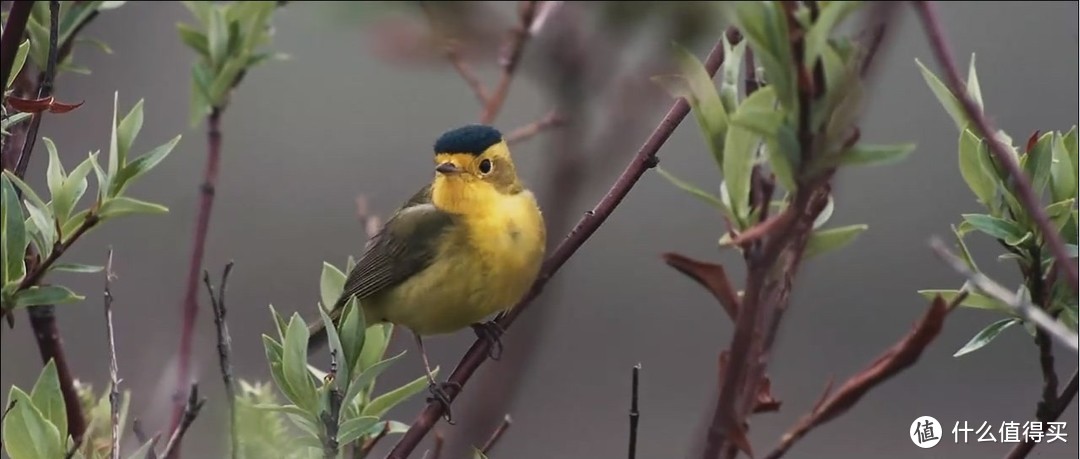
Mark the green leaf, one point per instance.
(1060, 212)
(376, 338)
(782, 153)
(692, 189)
(201, 10)
(49, 294)
(54, 178)
(17, 64)
(945, 97)
(367, 377)
(352, 333)
(353, 429)
(225, 80)
(128, 130)
(976, 169)
(331, 284)
(72, 191)
(696, 86)
(729, 72)
(27, 191)
(44, 224)
(292, 409)
(13, 120)
(974, 300)
(200, 93)
(863, 154)
(1037, 162)
(13, 239)
(334, 343)
(817, 37)
(822, 241)
(217, 36)
(973, 89)
(194, 39)
(142, 165)
(114, 143)
(48, 399)
(765, 26)
(279, 323)
(1062, 171)
(294, 363)
(964, 252)
(985, 336)
(383, 403)
(1071, 150)
(77, 268)
(740, 149)
(998, 228)
(274, 361)
(123, 205)
(74, 223)
(27, 434)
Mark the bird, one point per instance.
(465, 246)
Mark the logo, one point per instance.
(925, 432)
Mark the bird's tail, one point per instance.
(317, 337)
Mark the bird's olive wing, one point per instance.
(405, 245)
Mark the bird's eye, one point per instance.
(485, 166)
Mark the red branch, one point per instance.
(1021, 184)
(191, 297)
(478, 353)
(900, 356)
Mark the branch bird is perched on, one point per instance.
(464, 247)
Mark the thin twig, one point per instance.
(191, 411)
(1021, 307)
(635, 415)
(497, 434)
(515, 48)
(645, 159)
(140, 435)
(114, 371)
(225, 351)
(1063, 401)
(45, 88)
(1021, 184)
(198, 250)
(440, 441)
(13, 33)
(900, 356)
(523, 133)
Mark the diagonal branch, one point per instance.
(897, 358)
(1024, 309)
(515, 48)
(1052, 414)
(646, 158)
(1021, 185)
(192, 408)
(13, 32)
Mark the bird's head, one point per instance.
(472, 163)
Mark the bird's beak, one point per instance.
(447, 168)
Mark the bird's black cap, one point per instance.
(473, 139)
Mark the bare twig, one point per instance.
(1021, 184)
(635, 415)
(198, 249)
(497, 434)
(1023, 308)
(646, 158)
(551, 120)
(515, 48)
(114, 379)
(191, 411)
(1063, 401)
(225, 351)
(900, 356)
(13, 32)
(140, 435)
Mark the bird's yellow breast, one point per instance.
(485, 264)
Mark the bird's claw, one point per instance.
(438, 394)
(492, 332)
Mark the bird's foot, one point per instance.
(438, 394)
(492, 332)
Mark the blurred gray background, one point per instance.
(304, 137)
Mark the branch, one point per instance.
(497, 434)
(202, 227)
(369, 444)
(44, 88)
(897, 358)
(140, 435)
(1021, 184)
(1021, 307)
(1063, 401)
(114, 380)
(191, 411)
(224, 350)
(330, 419)
(523, 133)
(13, 33)
(516, 46)
(635, 415)
(646, 158)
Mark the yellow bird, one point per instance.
(464, 247)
